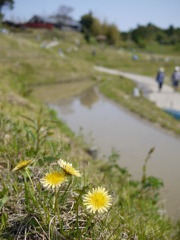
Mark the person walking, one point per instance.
(160, 78)
(175, 78)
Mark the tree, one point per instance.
(6, 3)
(62, 14)
(170, 31)
(95, 27)
(113, 34)
(143, 35)
(87, 21)
(65, 12)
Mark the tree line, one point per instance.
(141, 35)
(92, 27)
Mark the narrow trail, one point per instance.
(167, 99)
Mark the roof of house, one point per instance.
(56, 20)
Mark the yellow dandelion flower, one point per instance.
(21, 165)
(68, 168)
(97, 200)
(53, 179)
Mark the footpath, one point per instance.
(167, 99)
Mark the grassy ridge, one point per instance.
(30, 131)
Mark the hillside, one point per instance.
(34, 205)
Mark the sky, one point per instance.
(126, 14)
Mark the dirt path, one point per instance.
(166, 99)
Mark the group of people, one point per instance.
(175, 78)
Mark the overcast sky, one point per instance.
(126, 14)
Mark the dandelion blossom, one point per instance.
(53, 179)
(21, 165)
(68, 168)
(97, 200)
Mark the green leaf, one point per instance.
(3, 201)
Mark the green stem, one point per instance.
(114, 231)
(144, 176)
(56, 200)
(32, 193)
(30, 179)
(77, 210)
(56, 205)
(89, 223)
(66, 191)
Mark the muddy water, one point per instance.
(108, 126)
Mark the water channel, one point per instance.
(108, 126)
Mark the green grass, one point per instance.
(24, 61)
(28, 209)
(30, 131)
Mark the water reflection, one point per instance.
(89, 97)
(66, 106)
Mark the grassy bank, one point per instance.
(147, 64)
(120, 90)
(34, 205)
(26, 61)
(31, 210)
